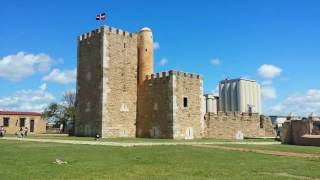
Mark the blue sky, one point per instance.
(274, 42)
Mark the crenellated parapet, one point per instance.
(185, 74)
(107, 29)
(235, 125)
(232, 116)
(89, 35)
(172, 73)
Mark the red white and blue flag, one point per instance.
(101, 16)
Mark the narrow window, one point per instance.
(185, 102)
(22, 122)
(6, 122)
(146, 50)
(261, 123)
(31, 125)
(124, 45)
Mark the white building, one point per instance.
(239, 95)
(212, 103)
(277, 121)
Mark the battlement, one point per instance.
(233, 115)
(108, 29)
(170, 73)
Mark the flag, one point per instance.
(101, 16)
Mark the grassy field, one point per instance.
(30, 160)
(137, 140)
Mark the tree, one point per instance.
(68, 108)
(69, 98)
(51, 112)
(63, 113)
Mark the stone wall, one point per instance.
(89, 84)
(232, 125)
(119, 83)
(163, 114)
(188, 122)
(301, 132)
(155, 111)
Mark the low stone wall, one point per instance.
(237, 125)
(301, 132)
(313, 140)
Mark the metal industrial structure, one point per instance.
(239, 95)
(212, 103)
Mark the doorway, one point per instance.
(32, 126)
(22, 122)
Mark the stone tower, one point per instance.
(145, 68)
(171, 106)
(118, 94)
(145, 54)
(107, 83)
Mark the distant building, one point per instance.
(13, 121)
(239, 95)
(212, 103)
(278, 120)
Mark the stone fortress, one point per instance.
(119, 95)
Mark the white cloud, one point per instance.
(269, 71)
(18, 66)
(215, 62)
(268, 92)
(27, 100)
(163, 61)
(63, 77)
(267, 83)
(302, 104)
(156, 45)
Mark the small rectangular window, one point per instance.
(6, 122)
(185, 102)
(22, 122)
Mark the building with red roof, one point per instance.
(14, 121)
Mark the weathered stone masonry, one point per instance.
(231, 124)
(118, 94)
(301, 132)
(107, 83)
(163, 113)
(89, 84)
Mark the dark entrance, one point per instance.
(31, 125)
(22, 122)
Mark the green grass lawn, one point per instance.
(31, 160)
(282, 148)
(137, 140)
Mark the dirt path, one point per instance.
(269, 152)
(131, 144)
(291, 176)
